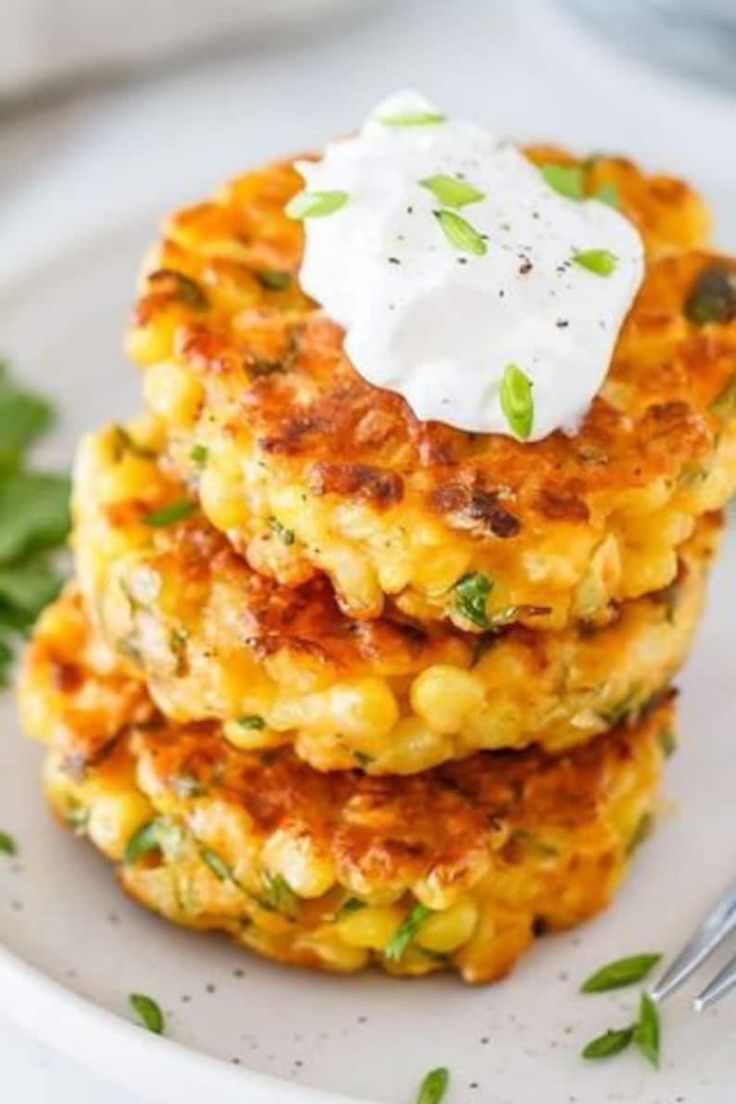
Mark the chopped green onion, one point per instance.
(434, 1086)
(278, 896)
(460, 233)
(217, 865)
(600, 261)
(611, 1042)
(621, 972)
(517, 402)
(452, 192)
(286, 536)
(609, 194)
(306, 205)
(412, 118)
(148, 1012)
(147, 838)
(567, 180)
(252, 721)
(198, 455)
(8, 846)
(273, 280)
(170, 513)
(406, 931)
(471, 595)
(646, 1032)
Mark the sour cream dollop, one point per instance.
(464, 281)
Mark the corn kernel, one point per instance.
(114, 818)
(413, 747)
(445, 695)
(297, 860)
(172, 393)
(443, 932)
(370, 927)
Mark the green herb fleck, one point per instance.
(620, 973)
(8, 846)
(412, 118)
(252, 721)
(724, 404)
(186, 785)
(611, 1042)
(362, 758)
(642, 832)
(217, 864)
(286, 536)
(602, 262)
(434, 1086)
(460, 233)
(567, 180)
(406, 931)
(178, 639)
(517, 402)
(77, 817)
(273, 280)
(347, 908)
(534, 842)
(198, 455)
(646, 1032)
(452, 192)
(306, 205)
(278, 895)
(179, 286)
(623, 709)
(142, 842)
(471, 595)
(667, 741)
(148, 1012)
(125, 442)
(608, 193)
(712, 297)
(170, 513)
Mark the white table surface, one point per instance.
(72, 166)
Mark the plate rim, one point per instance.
(101, 1041)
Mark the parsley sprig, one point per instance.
(34, 516)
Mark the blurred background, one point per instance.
(113, 107)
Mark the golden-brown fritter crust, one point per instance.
(74, 692)
(214, 639)
(387, 504)
(456, 868)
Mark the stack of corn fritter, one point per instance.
(358, 688)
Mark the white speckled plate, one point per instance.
(245, 1030)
